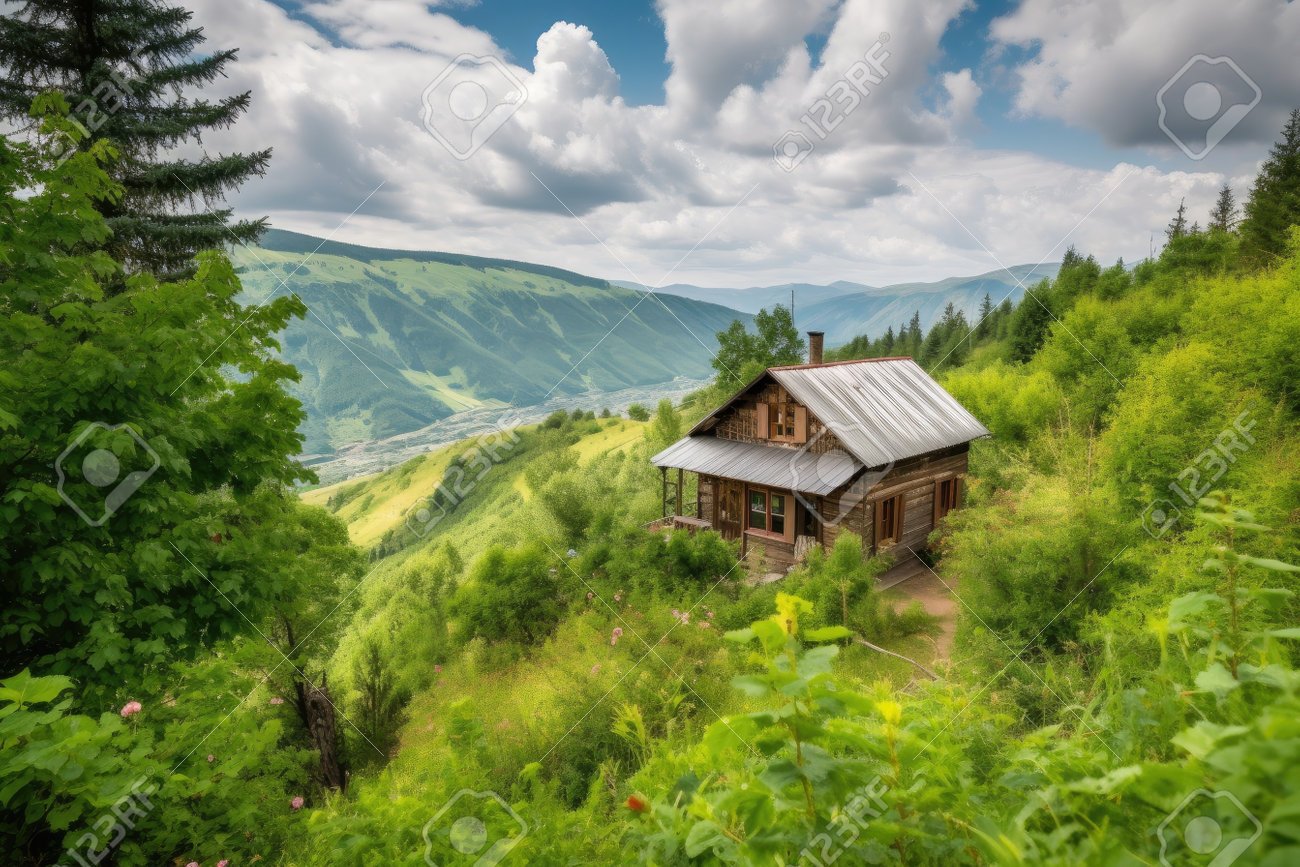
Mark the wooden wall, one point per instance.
(739, 422)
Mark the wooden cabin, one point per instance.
(805, 452)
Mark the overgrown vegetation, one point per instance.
(224, 678)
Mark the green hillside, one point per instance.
(395, 340)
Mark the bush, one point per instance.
(513, 594)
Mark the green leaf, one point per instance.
(704, 836)
(826, 633)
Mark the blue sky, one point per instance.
(642, 140)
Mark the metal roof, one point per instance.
(775, 466)
(883, 410)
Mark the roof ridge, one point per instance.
(841, 363)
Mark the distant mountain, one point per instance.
(397, 339)
(845, 310)
(756, 298)
(873, 311)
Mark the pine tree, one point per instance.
(913, 343)
(1274, 205)
(1223, 217)
(122, 66)
(887, 342)
(1177, 227)
(986, 310)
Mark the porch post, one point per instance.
(663, 473)
(677, 498)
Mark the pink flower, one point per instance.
(709, 615)
(595, 669)
(130, 709)
(613, 639)
(704, 624)
(224, 862)
(297, 802)
(590, 595)
(211, 758)
(277, 700)
(437, 669)
(677, 615)
(618, 597)
(193, 864)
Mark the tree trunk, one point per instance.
(318, 713)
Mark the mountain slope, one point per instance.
(845, 310)
(756, 298)
(397, 339)
(872, 311)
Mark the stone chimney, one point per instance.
(815, 346)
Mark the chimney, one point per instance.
(815, 346)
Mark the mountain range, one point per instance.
(845, 309)
(397, 339)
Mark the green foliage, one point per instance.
(637, 412)
(124, 67)
(512, 594)
(194, 775)
(774, 341)
(1274, 204)
(180, 562)
(666, 428)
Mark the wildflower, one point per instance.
(590, 595)
(595, 669)
(224, 862)
(704, 624)
(437, 669)
(677, 615)
(618, 632)
(618, 597)
(193, 864)
(276, 700)
(297, 802)
(637, 804)
(130, 709)
(572, 553)
(709, 615)
(211, 758)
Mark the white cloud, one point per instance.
(1100, 65)
(659, 185)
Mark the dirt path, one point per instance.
(914, 582)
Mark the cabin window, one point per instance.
(776, 510)
(767, 511)
(758, 510)
(780, 419)
(945, 497)
(889, 520)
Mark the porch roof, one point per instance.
(773, 466)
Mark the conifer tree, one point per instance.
(1223, 217)
(986, 309)
(1274, 204)
(1178, 225)
(125, 68)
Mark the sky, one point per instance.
(753, 142)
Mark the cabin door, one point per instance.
(730, 502)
